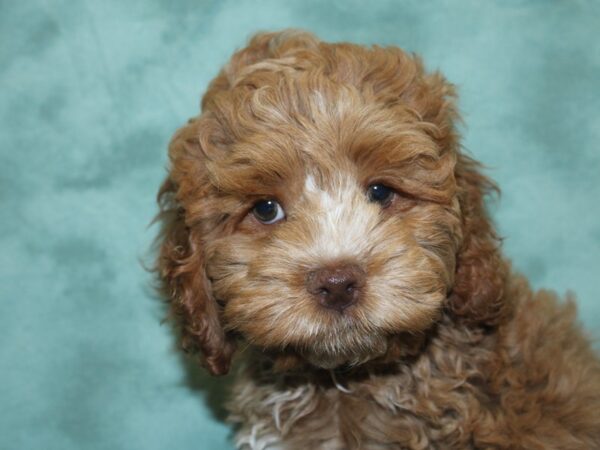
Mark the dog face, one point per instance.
(336, 242)
(320, 205)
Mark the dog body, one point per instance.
(531, 384)
(321, 214)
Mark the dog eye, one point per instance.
(268, 211)
(380, 193)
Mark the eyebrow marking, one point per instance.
(310, 185)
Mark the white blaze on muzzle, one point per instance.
(342, 219)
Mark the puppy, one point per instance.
(320, 216)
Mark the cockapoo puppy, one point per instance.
(320, 216)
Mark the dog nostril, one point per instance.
(337, 287)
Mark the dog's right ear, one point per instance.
(183, 280)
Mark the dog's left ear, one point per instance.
(477, 296)
(478, 293)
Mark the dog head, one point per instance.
(320, 204)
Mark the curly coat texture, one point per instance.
(445, 347)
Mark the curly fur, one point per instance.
(447, 348)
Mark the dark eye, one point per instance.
(268, 211)
(380, 193)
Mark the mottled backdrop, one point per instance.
(90, 93)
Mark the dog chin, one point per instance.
(350, 355)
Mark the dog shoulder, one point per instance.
(550, 380)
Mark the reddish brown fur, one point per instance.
(446, 347)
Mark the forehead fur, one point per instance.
(326, 105)
(289, 105)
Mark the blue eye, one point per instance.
(268, 211)
(380, 193)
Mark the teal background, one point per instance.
(90, 93)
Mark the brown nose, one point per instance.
(336, 287)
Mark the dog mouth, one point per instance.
(340, 341)
(346, 359)
(342, 345)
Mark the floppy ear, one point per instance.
(478, 293)
(181, 269)
(477, 296)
